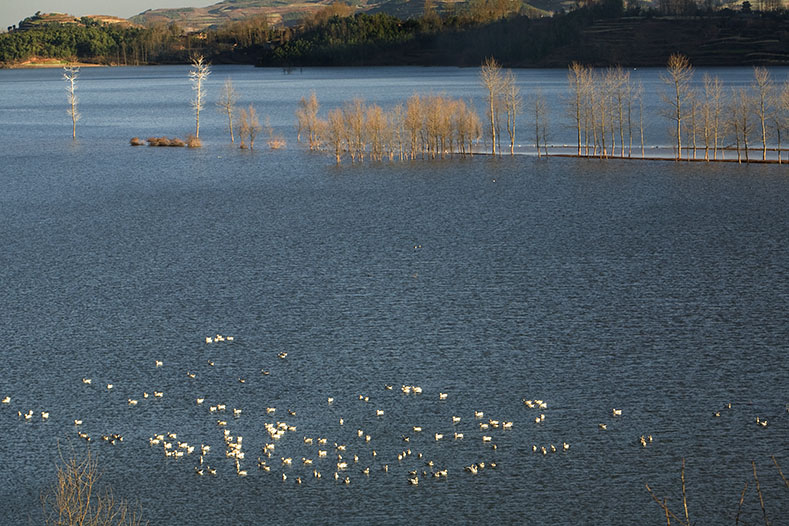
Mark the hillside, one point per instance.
(44, 19)
(201, 18)
(598, 35)
(285, 11)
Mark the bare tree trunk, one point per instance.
(693, 120)
(538, 109)
(227, 104)
(512, 104)
(759, 493)
(70, 75)
(603, 109)
(678, 75)
(763, 86)
(629, 94)
(198, 74)
(491, 76)
(576, 78)
(640, 95)
(684, 495)
(711, 115)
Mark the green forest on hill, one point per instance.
(603, 33)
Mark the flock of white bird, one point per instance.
(338, 459)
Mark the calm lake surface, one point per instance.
(657, 288)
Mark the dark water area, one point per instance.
(657, 288)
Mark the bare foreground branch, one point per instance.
(662, 504)
(781, 473)
(684, 495)
(739, 506)
(77, 499)
(737, 517)
(759, 492)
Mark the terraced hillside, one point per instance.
(722, 41)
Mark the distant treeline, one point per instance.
(93, 42)
(600, 33)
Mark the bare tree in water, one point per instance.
(678, 75)
(249, 127)
(763, 102)
(227, 105)
(307, 116)
(70, 75)
(493, 81)
(539, 113)
(198, 74)
(513, 103)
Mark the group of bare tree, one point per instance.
(502, 95)
(753, 112)
(601, 106)
(431, 126)
(248, 121)
(249, 126)
(605, 106)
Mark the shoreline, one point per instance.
(683, 160)
(52, 63)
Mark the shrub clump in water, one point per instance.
(164, 141)
(192, 141)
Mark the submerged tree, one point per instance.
(70, 75)
(353, 119)
(307, 117)
(513, 103)
(275, 140)
(198, 74)
(692, 122)
(623, 96)
(711, 110)
(678, 75)
(413, 124)
(249, 125)
(763, 92)
(639, 95)
(782, 116)
(375, 123)
(539, 113)
(227, 105)
(740, 121)
(433, 126)
(335, 132)
(576, 76)
(493, 81)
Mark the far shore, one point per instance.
(50, 63)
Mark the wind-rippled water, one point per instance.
(657, 288)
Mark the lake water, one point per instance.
(657, 288)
